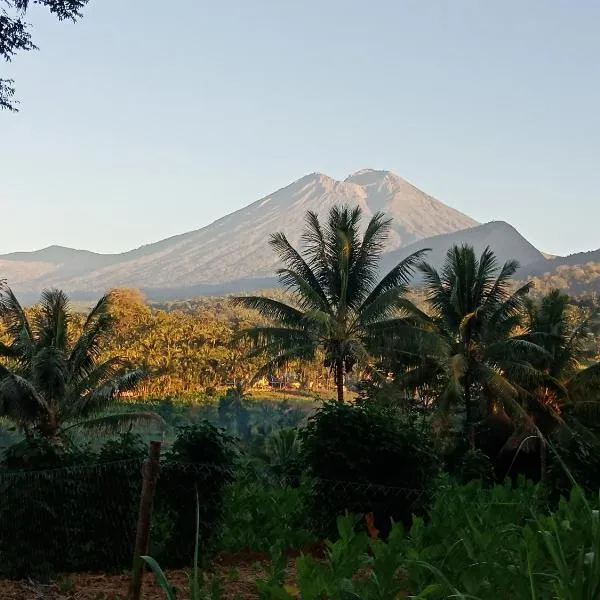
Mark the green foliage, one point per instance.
(261, 509)
(37, 453)
(15, 35)
(478, 543)
(201, 459)
(283, 455)
(365, 459)
(475, 359)
(74, 510)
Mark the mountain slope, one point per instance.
(504, 239)
(235, 247)
(551, 264)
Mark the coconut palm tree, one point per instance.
(573, 382)
(339, 307)
(51, 378)
(482, 362)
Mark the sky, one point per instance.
(148, 119)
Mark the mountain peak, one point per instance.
(234, 247)
(370, 176)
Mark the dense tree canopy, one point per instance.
(15, 34)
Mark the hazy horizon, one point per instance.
(138, 124)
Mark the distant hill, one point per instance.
(233, 250)
(548, 265)
(503, 238)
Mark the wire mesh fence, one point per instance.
(68, 519)
(84, 518)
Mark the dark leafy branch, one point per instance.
(15, 35)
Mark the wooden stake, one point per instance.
(142, 538)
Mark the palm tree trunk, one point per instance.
(339, 380)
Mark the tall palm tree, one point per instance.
(573, 381)
(340, 308)
(481, 361)
(52, 379)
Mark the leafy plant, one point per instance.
(480, 362)
(260, 510)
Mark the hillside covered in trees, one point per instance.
(575, 280)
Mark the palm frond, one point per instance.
(316, 249)
(297, 265)
(51, 321)
(19, 399)
(263, 338)
(99, 398)
(9, 351)
(83, 383)
(49, 372)
(398, 278)
(87, 349)
(363, 271)
(499, 290)
(388, 303)
(585, 382)
(117, 422)
(15, 322)
(303, 291)
(271, 309)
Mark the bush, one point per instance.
(200, 461)
(365, 459)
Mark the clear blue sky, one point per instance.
(149, 118)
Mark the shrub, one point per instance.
(201, 458)
(365, 459)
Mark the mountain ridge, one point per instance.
(234, 246)
(231, 254)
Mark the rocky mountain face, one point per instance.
(234, 248)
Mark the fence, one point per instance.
(84, 518)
